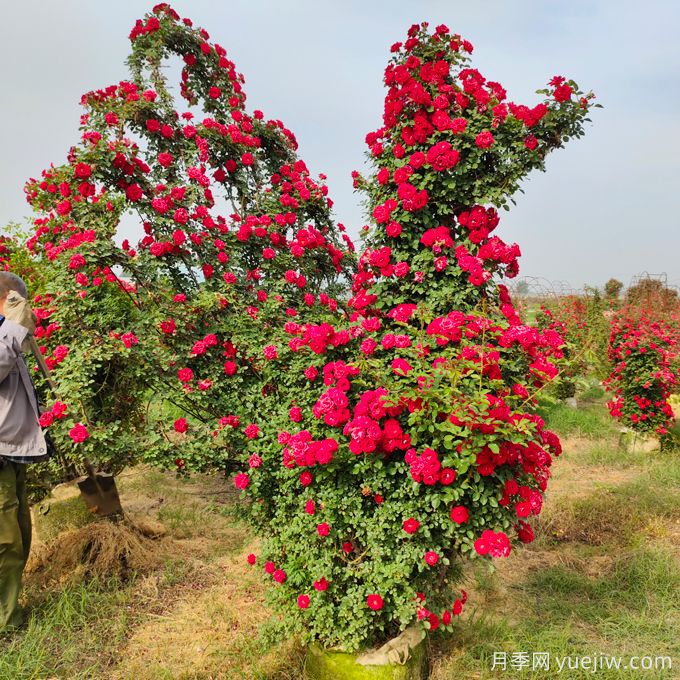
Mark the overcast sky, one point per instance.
(607, 206)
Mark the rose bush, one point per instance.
(645, 354)
(401, 436)
(644, 351)
(98, 409)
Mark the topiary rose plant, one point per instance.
(401, 437)
(381, 440)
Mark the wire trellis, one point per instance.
(537, 288)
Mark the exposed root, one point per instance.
(101, 550)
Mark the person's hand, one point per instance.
(18, 310)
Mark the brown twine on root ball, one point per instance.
(99, 550)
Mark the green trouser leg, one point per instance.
(15, 539)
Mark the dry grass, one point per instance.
(209, 627)
(212, 634)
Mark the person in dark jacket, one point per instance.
(21, 442)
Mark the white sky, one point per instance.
(609, 204)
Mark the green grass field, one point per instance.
(602, 578)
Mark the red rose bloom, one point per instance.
(525, 533)
(562, 93)
(78, 433)
(393, 229)
(523, 509)
(321, 584)
(411, 525)
(374, 602)
(447, 476)
(64, 207)
(185, 375)
(484, 140)
(134, 192)
(431, 558)
(492, 543)
(270, 352)
(251, 431)
(83, 170)
(460, 514)
(241, 480)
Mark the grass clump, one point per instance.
(608, 454)
(592, 393)
(72, 634)
(631, 607)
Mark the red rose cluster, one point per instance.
(236, 235)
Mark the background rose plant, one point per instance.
(645, 356)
